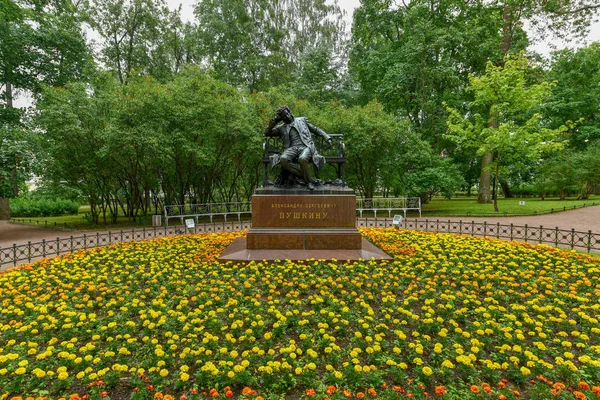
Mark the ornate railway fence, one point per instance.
(567, 239)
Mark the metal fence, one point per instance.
(561, 238)
(389, 204)
(206, 210)
(32, 251)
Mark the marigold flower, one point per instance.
(440, 390)
(579, 395)
(584, 386)
(310, 392)
(474, 388)
(330, 389)
(360, 395)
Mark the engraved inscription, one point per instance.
(303, 215)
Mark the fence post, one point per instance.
(497, 230)
(460, 227)
(484, 228)
(109, 238)
(85, 241)
(14, 254)
(29, 251)
(72, 243)
(556, 237)
(589, 241)
(472, 228)
(57, 246)
(511, 231)
(572, 239)
(526, 233)
(426, 224)
(121, 235)
(97, 238)
(144, 230)
(44, 248)
(437, 226)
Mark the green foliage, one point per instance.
(17, 158)
(502, 119)
(413, 57)
(572, 171)
(193, 139)
(577, 93)
(42, 207)
(259, 43)
(141, 36)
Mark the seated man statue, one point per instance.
(298, 144)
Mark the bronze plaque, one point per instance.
(301, 211)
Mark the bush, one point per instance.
(42, 207)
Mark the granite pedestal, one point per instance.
(300, 224)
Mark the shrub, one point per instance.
(42, 207)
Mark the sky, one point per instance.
(543, 47)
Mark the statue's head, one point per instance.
(285, 114)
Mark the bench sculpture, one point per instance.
(296, 144)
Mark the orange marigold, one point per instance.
(440, 390)
(596, 390)
(502, 397)
(347, 393)
(310, 392)
(330, 389)
(584, 386)
(579, 395)
(486, 388)
(372, 392)
(360, 395)
(474, 388)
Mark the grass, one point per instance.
(438, 207)
(469, 207)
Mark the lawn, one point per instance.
(438, 207)
(467, 206)
(451, 316)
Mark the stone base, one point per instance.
(304, 238)
(237, 252)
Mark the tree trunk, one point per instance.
(507, 30)
(484, 195)
(4, 209)
(506, 190)
(4, 201)
(496, 180)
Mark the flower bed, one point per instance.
(452, 316)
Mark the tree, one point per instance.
(139, 36)
(502, 120)
(259, 43)
(41, 43)
(577, 93)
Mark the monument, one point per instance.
(297, 216)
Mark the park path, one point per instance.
(581, 220)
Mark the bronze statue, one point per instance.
(298, 144)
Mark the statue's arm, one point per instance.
(317, 131)
(270, 130)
